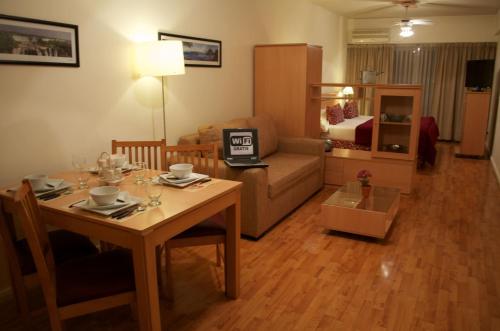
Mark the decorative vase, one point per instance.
(365, 191)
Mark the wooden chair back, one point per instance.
(29, 213)
(203, 157)
(145, 151)
(7, 231)
(8, 237)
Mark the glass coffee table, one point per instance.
(346, 210)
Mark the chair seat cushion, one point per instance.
(212, 226)
(287, 169)
(65, 246)
(94, 277)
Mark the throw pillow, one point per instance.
(351, 109)
(210, 134)
(268, 136)
(334, 114)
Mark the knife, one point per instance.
(128, 213)
(121, 211)
(50, 196)
(50, 193)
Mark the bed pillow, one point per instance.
(351, 109)
(334, 114)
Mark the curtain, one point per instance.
(369, 57)
(439, 68)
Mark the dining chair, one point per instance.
(204, 158)
(148, 151)
(79, 286)
(23, 273)
(145, 151)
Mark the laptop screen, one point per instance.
(241, 144)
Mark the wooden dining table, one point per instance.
(143, 231)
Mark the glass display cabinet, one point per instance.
(396, 122)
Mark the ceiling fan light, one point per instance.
(406, 31)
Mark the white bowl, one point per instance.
(181, 170)
(104, 195)
(38, 182)
(118, 160)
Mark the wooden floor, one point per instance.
(438, 269)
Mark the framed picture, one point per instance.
(198, 52)
(36, 42)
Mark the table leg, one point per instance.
(146, 283)
(232, 249)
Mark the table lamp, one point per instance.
(160, 58)
(348, 90)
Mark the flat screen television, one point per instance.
(479, 74)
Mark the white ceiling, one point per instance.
(424, 8)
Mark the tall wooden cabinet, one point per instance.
(396, 122)
(475, 123)
(283, 75)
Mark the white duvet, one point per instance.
(346, 130)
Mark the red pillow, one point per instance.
(334, 114)
(351, 109)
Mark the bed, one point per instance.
(356, 133)
(346, 130)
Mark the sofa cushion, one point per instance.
(210, 134)
(268, 136)
(286, 169)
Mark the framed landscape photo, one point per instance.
(198, 52)
(36, 42)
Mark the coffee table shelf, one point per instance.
(347, 211)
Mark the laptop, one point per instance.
(241, 148)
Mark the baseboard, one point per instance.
(496, 170)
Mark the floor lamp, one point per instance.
(160, 58)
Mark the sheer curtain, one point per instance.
(439, 68)
(369, 57)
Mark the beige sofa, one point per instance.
(295, 172)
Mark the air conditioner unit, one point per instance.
(367, 36)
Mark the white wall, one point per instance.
(480, 28)
(50, 113)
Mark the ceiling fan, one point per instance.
(423, 4)
(406, 24)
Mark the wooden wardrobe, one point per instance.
(283, 74)
(474, 124)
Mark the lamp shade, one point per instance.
(160, 58)
(348, 90)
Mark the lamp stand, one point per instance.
(163, 103)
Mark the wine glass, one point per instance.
(154, 192)
(82, 173)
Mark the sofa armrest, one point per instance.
(253, 196)
(189, 139)
(301, 146)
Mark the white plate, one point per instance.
(112, 182)
(167, 179)
(90, 204)
(60, 188)
(125, 167)
(52, 184)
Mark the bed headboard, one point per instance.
(327, 100)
